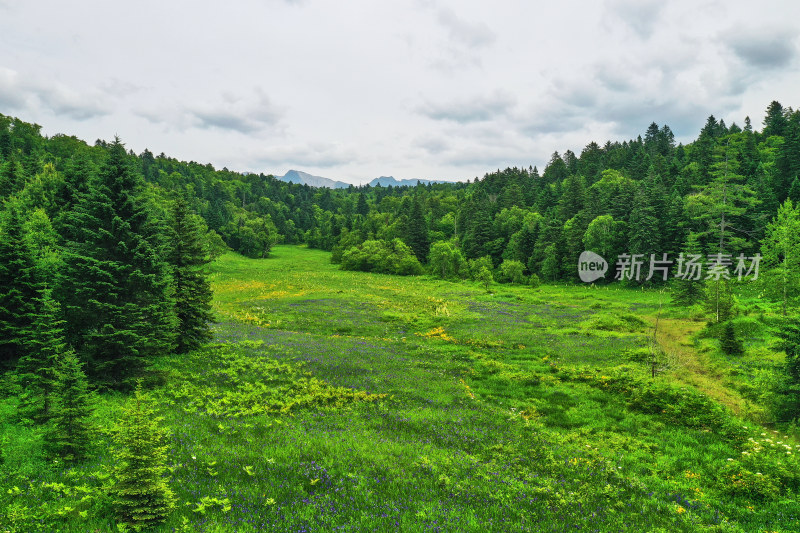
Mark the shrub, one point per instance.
(383, 257)
(512, 271)
(729, 342)
(445, 260)
(475, 266)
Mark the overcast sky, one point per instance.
(352, 90)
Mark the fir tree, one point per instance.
(729, 342)
(19, 287)
(781, 249)
(644, 230)
(775, 121)
(70, 430)
(790, 389)
(141, 494)
(686, 290)
(12, 178)
(794, 191)
(115, 287)
(417, 231)
(187, 256)
(37, 371)
(361, 207)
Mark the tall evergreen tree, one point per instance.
(19, 287)
(775, 120)
(644, 230)
(12, 178)
(781, 249)
(790, 390)
(37, 369)
(187, 256)
(687, 287)
(115, 288)
(417, 231)
(362, 208)
(720, 206)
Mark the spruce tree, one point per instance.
(37, 370)
(729, 342)
(781, 249)
(69, 434)
(686, 290)
(12, 177)
(790, 390)
(187, 256)
(361, 207)
(417, 231)
(19, 287)
(115, 288)
(141, 494)
(644, 235)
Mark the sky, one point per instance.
(417, 89)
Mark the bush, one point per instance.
(729, 342)
(512, 272)
(445, 261)
(382, 257)
(475, 266)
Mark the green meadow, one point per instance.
(350, 401)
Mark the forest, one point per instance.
(128, 279)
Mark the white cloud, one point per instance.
(476, 109)
(428, 88)
(33, 94)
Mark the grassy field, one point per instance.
(342, 401)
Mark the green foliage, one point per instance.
(233, 381)
(446, 261)
(781, 251)
(687, 288)
(417, 231)
(186, 254)
(142, 497)
(719, 300)
(115, 288)
(384, 257)
(485, 278)
(604, 236)
(255, 237)
(477, 265)
(69, 435)
(37, 370)
(789, 389)
(729, 341)
(513, 272)
(19, 286)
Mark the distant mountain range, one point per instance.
(298, 176)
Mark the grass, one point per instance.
(342, 401)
